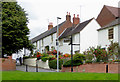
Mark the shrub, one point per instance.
(53, 64)
(78, 57)
(116, 60)
(54, 51)
(113, 49)
(101, 54)
(3, 59)
(66, 55)
(68, 63)
(44, 59)
(88, 61)
(44, 55)
(51, 57)
(77, 60)
(89, 53)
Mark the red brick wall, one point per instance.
(97, 68)
(7, 65)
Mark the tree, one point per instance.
(14, 28)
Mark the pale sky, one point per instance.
(41, 12)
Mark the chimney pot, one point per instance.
(50, 25)
(67, 13)
(77, 15)
(68, 17)
(76, 20)
(74, 15)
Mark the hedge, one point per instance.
(68, 63)
(53, 64)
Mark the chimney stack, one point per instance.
(50, 25)
(68, 17)
(76, 20)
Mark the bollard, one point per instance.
(36, 67)
(26, 68)
(106, 68)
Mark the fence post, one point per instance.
(26, 68)
(106, 68)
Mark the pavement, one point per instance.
(32, 69)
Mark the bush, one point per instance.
(51, 57)
(3, 59)
(89, 53)
(88, 61)
(53, 64)
(44, 59)
(68, 63)
(44, 55)
(116, 60)
(101, 54)
(78, 58)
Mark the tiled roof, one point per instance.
(46, 33)
(113, 10)
(113, 23)
(65, 32)
(80, 26)
(74, 30)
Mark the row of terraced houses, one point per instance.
(90, 33)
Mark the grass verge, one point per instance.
(19, 75)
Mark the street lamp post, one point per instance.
(57, 45)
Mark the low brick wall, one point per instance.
(8, 64)
(95, 67)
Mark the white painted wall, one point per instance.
(103, 40)
(89, 36)
(46, 42)
(76, 40)
(32, 62)
(65, 48)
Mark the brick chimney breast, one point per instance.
(68, 17)
(50, 25)
(76, 20)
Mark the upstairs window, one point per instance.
(110, 33)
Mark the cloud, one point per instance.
(39, 11)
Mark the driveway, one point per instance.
(33, 69)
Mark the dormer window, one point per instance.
(110, 33)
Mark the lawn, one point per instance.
(19, 75)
